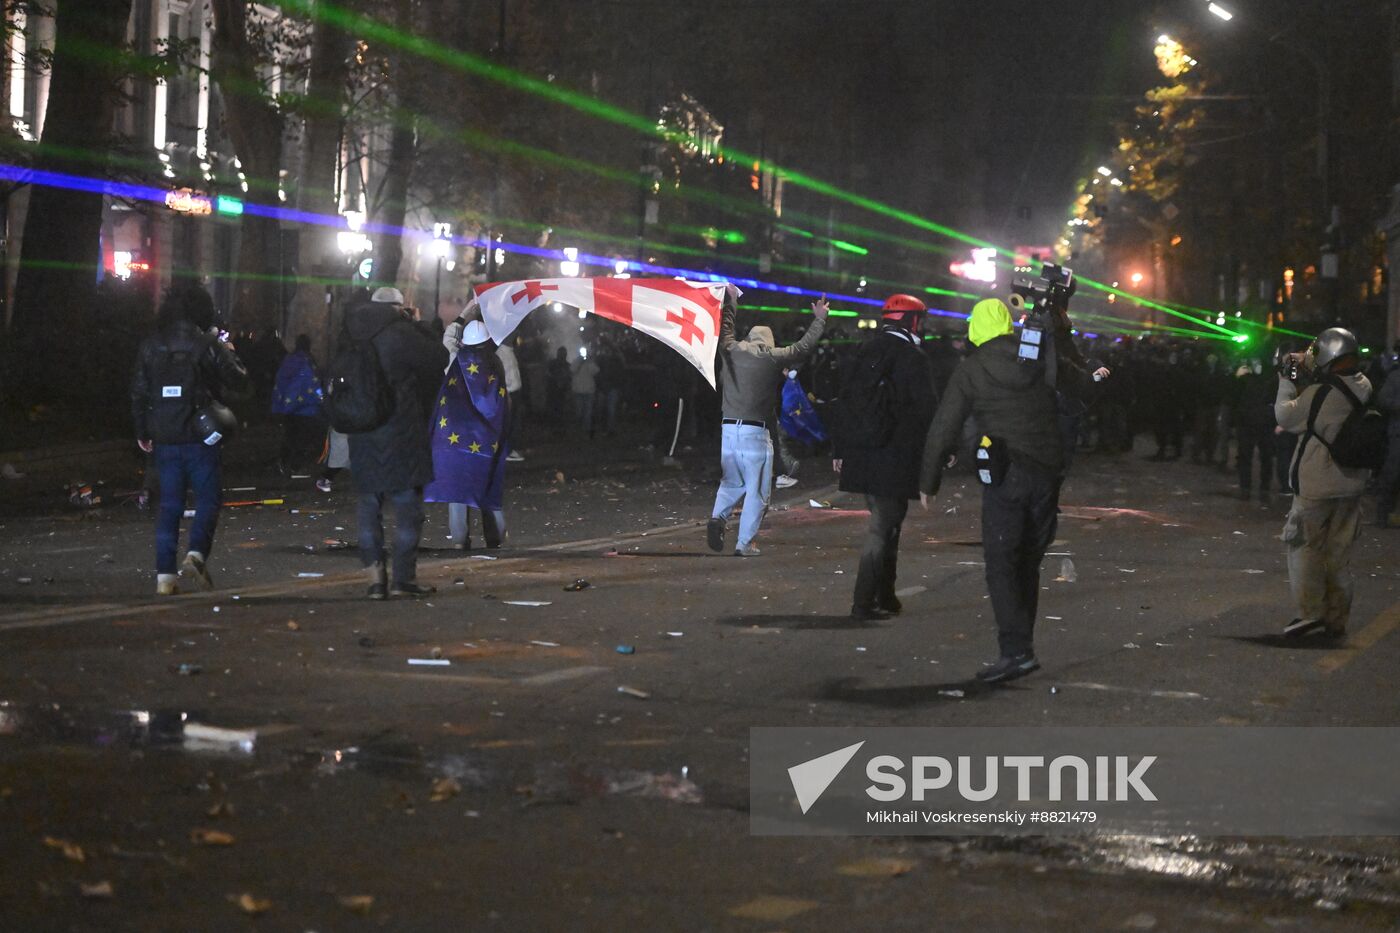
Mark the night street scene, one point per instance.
(743, 465)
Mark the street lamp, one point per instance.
(442, 248)
(1221, 12)
(1136, 278)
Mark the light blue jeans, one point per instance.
(746, 455)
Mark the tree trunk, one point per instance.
(254, 125)
(392, 204)
(61, 249)
(317, 255)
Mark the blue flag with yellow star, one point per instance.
(797, 417)
(297, 390)
(469, 426)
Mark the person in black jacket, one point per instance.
(1254, 426)
(884, 468)
(182, 373)
(395, 461)
(1014, 406)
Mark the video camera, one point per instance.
(1045, 304)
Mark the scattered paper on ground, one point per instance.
(772, 909)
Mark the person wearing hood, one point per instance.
(1325, 518)
(753, 373)
(887, 398)
(1021, 475)
(470, 433)
(392, 463)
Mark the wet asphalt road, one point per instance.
(564, 803)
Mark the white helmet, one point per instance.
(1331, 345)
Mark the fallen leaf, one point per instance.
(210, 837)
(877, 868)
(359, 903)
(101, 889)
(772, 909)
(250, 904)
(71, 851)
(443, 788)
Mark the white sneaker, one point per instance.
(165, 585)
(750, 551)
(194, 566)
(323, 484)
(785, 482)
(515, 456)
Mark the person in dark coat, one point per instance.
(1254, 426)
(1015, 407)
(886, 470)
(394, 462)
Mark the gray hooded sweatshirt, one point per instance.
(753, 368)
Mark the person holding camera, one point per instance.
(1021, 463)
(182, 374)
(1325, 518)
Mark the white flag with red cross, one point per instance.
(683, 315)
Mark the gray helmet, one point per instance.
(1331, 345)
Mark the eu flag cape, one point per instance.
(469, 426)
(797, 417)
(297, 390)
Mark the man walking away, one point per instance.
(182, 373)
(1015, 411)
(753, 371)
(878, 435)
(393, 462)
(1325, 519)
(511, 367)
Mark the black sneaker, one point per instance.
(869, 614)
(411, 588)
(891, 604)
(1300, 627)
(377, 591)
(714, 534)
(1009, 668)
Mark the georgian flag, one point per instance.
(683, 315)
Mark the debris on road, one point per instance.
(366, 642)
(307, 575)
(579, 584)
(877, 868)
(813, 503)
(210, 837)
(359, 903)
(234, 505)
(250, 904)
(187, 669)
(1067, 572)
(199, 737)
(71, 850)
(525, 602)
(634, 692)
(9, 472)
(544, 644)
(444, 789)
(625, 649)
(335, 544)
(100, 890)
(429, 662)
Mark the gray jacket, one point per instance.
(753, 368)
(1319, 476)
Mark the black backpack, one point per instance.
(179, 391)
(359, 397)
(1360, 443)
(866, 411)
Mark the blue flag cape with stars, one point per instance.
(797, 417)
(297, 390)
(469, 422)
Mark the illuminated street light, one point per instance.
(569, 265)
(1221, 12)
(1136, 278)
(1104, 170)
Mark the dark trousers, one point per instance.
(879, 557)
(182, 468)
(302, 438)
(408, 530)
(1018, 525)
(1250, 440)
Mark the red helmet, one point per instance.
(905, 311)
(899, 305)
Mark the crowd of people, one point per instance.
(422, 412)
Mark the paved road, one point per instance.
(570, 804)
